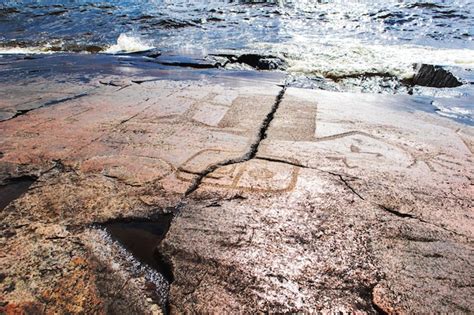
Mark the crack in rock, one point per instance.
(411, 216)
(249, 155)
(341, 178)
(49, 103)
(397, 213)
(276, 160)
(346, 183)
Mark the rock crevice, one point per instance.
(48, 103)
(250, 154)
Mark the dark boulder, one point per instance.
(154, 53)
(434, 76)
(270, 63)
(259, 62)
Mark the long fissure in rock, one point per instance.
(49, 103)
(142, 237)
(354, 191)
(250, 154)
(339, 176)
(397, 213)
(411, 216)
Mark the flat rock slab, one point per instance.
(285, 199)
(117, 152)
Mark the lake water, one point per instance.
(318, 39)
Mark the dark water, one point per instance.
(14, 189)
(207, 25)
(142, 238)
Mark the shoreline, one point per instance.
(445, 90)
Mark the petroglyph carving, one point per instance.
(253, 175)
(432, 159)
(130, 169)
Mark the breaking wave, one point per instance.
(128, 44)
(125, 44)
(339, 59)
(455, 108)
(24, 50)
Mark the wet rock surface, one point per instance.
(187, 62)
(283, 200)
(434, 76)
(256, 61)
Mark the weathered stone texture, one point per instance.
(344, 202)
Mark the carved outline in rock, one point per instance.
(240, 172)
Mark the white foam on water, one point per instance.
(453, 110)
(339, 58)
(127, 43)
(24, 50)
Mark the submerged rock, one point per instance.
(154, 53)
(257, 61)
(187, 62)
(434, 76)
(261, 62)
